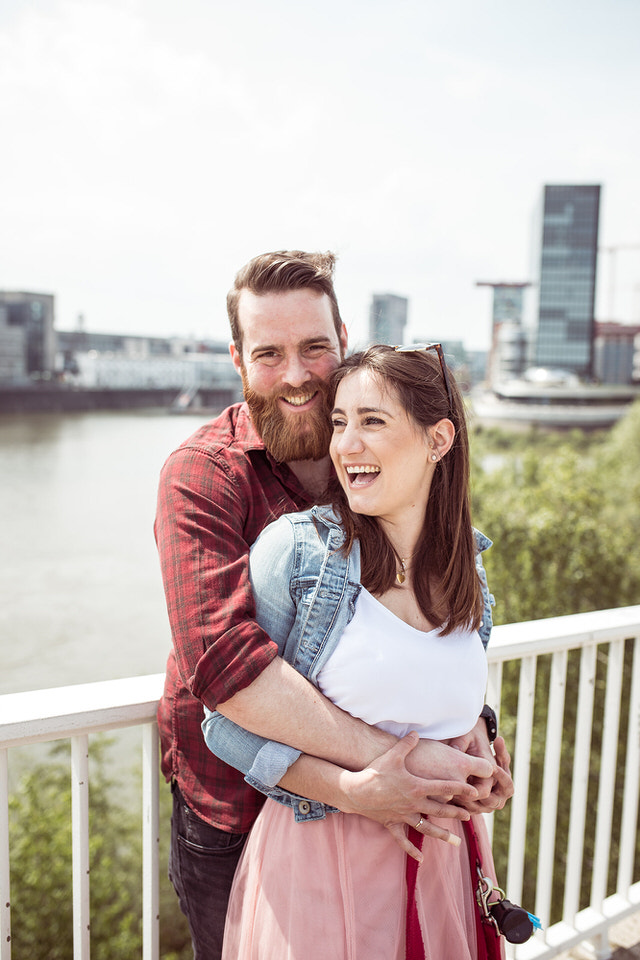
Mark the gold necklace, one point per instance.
(401, 575)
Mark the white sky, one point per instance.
(149, 148)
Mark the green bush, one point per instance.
(563, 511)
(41, 866)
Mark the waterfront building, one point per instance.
(387, 318)
(27, 338)
(567, 232)
(508, 357)
(616, 352)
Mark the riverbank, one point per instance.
(66, 398)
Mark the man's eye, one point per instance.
(269, 357)
(317, 348)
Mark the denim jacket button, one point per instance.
(304, 806)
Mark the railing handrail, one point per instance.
(58, 712)
(551, 634)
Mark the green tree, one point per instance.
(564, 513)
(563, 532)
(41, 867)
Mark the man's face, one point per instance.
(289, 348)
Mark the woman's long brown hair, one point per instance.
(445, 581)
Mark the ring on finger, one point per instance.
(419, 823)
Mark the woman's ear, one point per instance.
(441, 437)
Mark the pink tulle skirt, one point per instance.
(335, 889)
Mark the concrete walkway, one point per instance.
(624, 939)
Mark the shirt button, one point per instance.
(304, 806)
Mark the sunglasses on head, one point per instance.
(423, 347)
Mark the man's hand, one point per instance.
(476, 744)
(387, 792)
(449, 761)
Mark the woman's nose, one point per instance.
(349, 441)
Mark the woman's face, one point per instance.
(382, 457)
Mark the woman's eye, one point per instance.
(336, 424)
(373, 421)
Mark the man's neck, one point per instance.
(312, 474)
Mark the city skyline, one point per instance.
(149, 153)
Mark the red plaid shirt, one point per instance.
(217, 492)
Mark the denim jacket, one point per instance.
(305, 589)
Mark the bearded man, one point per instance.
(255, 461)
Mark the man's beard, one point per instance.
(300, 436)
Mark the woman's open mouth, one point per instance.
(361, 476)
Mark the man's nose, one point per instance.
(296, 371)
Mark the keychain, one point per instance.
(513, 922)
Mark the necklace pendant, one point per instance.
(400, 577)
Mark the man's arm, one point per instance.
(221, 651)
(203, 530)
(282, 705)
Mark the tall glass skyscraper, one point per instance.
(566, 291)
(387, 318)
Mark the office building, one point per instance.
(387, 318)
(617, 350)
(508, 356)
(27, 339)
(568, 235)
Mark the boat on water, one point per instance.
(553, 398)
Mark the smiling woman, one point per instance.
(401, 452)
(382, 459)
(380, 600)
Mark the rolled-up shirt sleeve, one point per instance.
(204, 527)
(263, 762)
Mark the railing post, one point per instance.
(550, 784)
(580, 782)
(631, 780)
(80, 850)
(5, 899)
(608, 762)
(520, 801)
(150, 844)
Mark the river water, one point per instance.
(81, 596)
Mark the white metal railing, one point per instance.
(75, 712)
(603, 635)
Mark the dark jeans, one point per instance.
(202, 861)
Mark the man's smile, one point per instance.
(299, 401)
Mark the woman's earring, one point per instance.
(434, 456)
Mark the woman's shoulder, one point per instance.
(302, 543)
(482, 542)
(319, 522)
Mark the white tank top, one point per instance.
(398, 678)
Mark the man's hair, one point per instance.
(280, 272)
